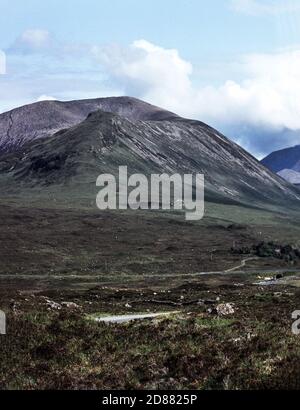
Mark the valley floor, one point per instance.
(42, 240)
(61, 269)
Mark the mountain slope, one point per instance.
(42, 119)
(72, 159)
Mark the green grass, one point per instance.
(214, 323)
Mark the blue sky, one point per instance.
(232, 63)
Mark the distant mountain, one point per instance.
(286, 163)
(42, 119)
(287, 158)
(146, 139)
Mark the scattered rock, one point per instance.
(53, 305)
(70, 305)
(225, 309)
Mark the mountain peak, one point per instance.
(44, 118)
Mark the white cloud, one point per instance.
(46, 98)
(32, 40)
(36, 38)
(268, 94)
(145, 69)
(266, 99)
(262, 102)
(255, 7)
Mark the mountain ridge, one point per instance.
(42, 119)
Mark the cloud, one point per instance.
(46, 98)
(260, 110)
(148, 70)
(273, 7)
(32, 40)
(41, 67)
(265, 102)
(268, 94)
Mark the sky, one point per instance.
(234, 64)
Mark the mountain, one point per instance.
(288, 158)
(286, 163)
(44, 118)
(290, 175)
(146, 139)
